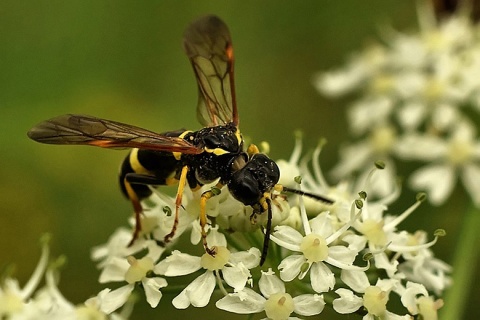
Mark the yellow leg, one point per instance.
(252, 149)
(178, 202)
(203, 216)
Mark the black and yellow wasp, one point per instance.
(195, 158)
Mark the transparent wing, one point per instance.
(88, 130)
(208, 45)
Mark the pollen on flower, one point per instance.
(138, 269)
(433, 90)
(375, 300)
(459, 152)
(314, 248)
(279, 306)
(383, 138)
(382, 84)
(10, 303)
(428, 308)
(374, 232)
(216, 262)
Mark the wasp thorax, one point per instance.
(219, 140)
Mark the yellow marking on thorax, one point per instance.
(220, 151)
(239, 136)
(135, 164)
(178, 155)
(217, 151)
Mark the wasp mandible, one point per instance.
(192, 158)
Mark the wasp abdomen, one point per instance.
(163, 166)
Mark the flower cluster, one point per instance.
(417, 94)
(349, 256)
(47, 302)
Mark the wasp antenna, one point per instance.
(268, 228)
(308, 194)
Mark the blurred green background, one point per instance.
(123, 60)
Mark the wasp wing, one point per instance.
(208, 45)
(88, 130)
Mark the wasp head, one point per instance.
(257, 175)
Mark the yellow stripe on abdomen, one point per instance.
(135, 164)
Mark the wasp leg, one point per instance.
(143, 179)
(252, 149)
(266, 204)
(203, 216)
(137, 208)
(137, 178)
(178, 202)
(203, 219)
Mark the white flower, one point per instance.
(234, 266)
(424, 268)
(104, 303)
(373, 298)
(159, 218)
(13, 299)
(274, 300)
(359, 158)
(413, 101)
(380, 233)
(49, 303)
(416, 299)
(117, 247)
(315, 249)
(132, 271)
(289, 170)
(457, 156)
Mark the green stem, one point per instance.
(464, 266)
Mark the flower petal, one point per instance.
(342, 254)
(250, 258)
(243, 302)
(197, 293)
(409, 296)
(347, 303)
(309, 304)
(287, 237)
(216, 238)
(321, 277)
(383, 262)
(236, 276)
(357, 280)
(428, 178)
(114, 270)
(270, 284)
(322, 225)
(152, 288)
(177, 264)
(422, 147)
(290, 266)
(355, 242)
(108, 301)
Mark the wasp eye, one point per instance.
(244, 188)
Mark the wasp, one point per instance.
(183, 157)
